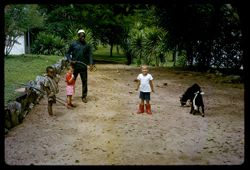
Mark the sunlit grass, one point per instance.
(103, 55)
(23, 68)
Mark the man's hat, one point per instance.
(81, 31)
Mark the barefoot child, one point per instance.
(70, 88)
(145, 82)
(51, 88)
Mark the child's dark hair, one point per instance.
(49, 68)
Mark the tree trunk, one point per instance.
(117, 49)
(157, 61)
(129, 58)
(175, 54)
(28, 51)
(190, 55)
(111, 50)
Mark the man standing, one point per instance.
(80, 55)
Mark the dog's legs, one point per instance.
(198, 109)
(192, 109)
(194, 112)
(203, 113)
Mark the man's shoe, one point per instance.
(84, 100)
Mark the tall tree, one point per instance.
(105, 21)
(201, 28)
(108, 23)
(18, 19)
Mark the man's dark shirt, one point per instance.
(80, 51)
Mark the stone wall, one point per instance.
(15, 111)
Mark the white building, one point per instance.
(19, 48)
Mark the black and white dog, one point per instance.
(194, 95)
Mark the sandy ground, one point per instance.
(107, 130)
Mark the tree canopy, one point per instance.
(18, 19)
(208, 35)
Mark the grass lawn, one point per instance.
(23, 68)
(103, 55)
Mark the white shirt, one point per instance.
(144, 82)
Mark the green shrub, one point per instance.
(181, 61)
(48, 44)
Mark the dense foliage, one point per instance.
(200, 36)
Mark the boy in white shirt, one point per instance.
(145, 82)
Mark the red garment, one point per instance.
(68, 77)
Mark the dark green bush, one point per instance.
(48, 44)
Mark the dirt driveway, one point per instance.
(107, 130)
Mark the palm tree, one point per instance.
(137, 46)
(154, 45)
